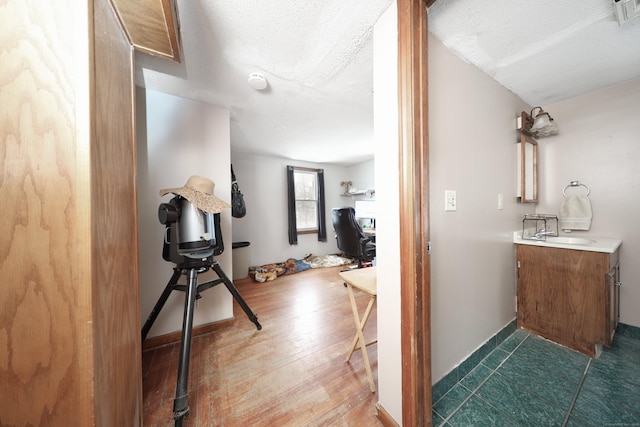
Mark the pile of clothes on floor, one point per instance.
(269, 272)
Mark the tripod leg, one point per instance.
(161, 301)
(234, 291)
(180, 404)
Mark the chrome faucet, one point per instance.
(540, 234)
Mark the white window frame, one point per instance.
(307, 172)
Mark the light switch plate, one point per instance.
(450, 200)
(500, 201)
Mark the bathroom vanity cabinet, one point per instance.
(568, 296)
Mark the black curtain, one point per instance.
(291, 193)
(322, 226)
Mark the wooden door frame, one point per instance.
(415, 273)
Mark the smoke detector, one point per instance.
(626, 10)
(257, 81)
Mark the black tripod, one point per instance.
(191, 268)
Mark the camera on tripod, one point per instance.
(191, 235)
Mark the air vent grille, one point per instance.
(626, 10)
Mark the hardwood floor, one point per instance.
(291, 373)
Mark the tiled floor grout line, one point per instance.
(473, 392)
(575, 396)
(541, 390)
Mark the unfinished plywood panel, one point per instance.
(46, 355)
(69, 318)
(152, 26)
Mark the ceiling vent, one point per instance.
(626, 10)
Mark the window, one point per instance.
(306, 203)
(306, 198)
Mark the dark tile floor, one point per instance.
(528, 381)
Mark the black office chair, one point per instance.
(351, 240)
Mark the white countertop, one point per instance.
(581, 243)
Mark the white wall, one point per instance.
(177, 138)
(363, 177)
(599, 145)
(472, 151)
(385, 112)
(263, 182)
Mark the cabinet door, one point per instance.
(561, 295)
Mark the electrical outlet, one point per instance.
(450, 200)
(500, 201)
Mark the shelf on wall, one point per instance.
(350, 191)
(355, 193)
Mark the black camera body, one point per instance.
(192, 236)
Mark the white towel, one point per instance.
(575, 213)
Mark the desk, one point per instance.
(365, 280)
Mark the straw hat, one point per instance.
(199, 191)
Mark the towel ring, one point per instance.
(576, 184)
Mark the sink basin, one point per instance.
(570, 240)
(591, 244)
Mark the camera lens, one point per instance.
(168, 213)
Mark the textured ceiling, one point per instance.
(317, 58)
(315, 55)
(545, 50)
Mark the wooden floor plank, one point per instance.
(291, 373)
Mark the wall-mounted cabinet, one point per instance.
(527, 169)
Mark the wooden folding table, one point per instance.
(365, 280)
